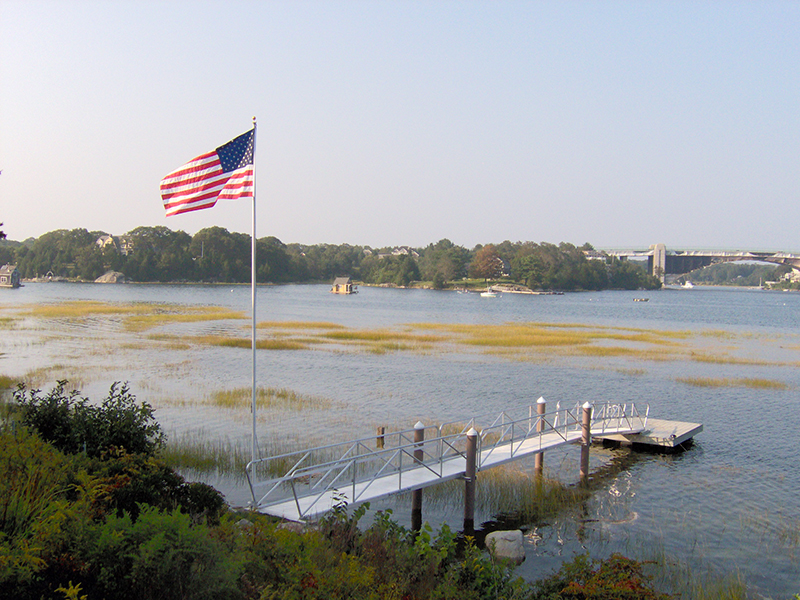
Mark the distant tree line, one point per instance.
(158, 254)
(736, 273)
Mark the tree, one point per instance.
(159, 254)
(442, 262)
(487, 263)
(220, 255)
(272, 261)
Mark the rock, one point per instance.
(111, 277)
(506, 545)
(293, 526)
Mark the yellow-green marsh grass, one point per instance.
(267, 398)
(381, 335)
(240, 342)
(304, 325)
(36, 378)
(754, 383)
(8, 322)
(137, 316)
(182, 314)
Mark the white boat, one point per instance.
(488, 293)
(688, 285)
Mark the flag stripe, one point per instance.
(202, 181)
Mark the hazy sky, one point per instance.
(384, 123)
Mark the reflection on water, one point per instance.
(730, 502)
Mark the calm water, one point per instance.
(730, 503)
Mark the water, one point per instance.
(730, 503)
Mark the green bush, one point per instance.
(73, 425)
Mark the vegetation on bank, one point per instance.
(158, 254)
(88, 509)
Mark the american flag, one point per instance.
(223, 174)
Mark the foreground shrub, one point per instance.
(617, 578)
(160, 555)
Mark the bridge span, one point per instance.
(662, 262)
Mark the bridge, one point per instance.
(662, 262)
(304, 484)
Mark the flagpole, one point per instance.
(253, 300)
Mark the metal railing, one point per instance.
(356, 465)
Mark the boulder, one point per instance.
(506, 545)
(111, 277)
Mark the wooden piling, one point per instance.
(538, 466)
(469, 481)
(379, 441)
(586, 441)
(416, 495)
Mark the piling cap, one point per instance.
(419, 425)
(541, 400)
(472, 432)
(587, 404)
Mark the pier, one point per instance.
(302, 485)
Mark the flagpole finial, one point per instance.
(254, 120)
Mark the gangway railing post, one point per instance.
(416, 495)
(469, 481)
(538, 467)
(586, 441)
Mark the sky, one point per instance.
(383, 123)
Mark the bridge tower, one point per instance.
(657, 262)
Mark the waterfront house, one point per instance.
(9, 276)
(343, 285)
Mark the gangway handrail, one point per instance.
(359, 466)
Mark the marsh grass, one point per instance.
(9, 322)
(304, 325)
(136, 316)
(726, 359)
(631, 371)
(139, 323)
(36, 378)
(505, 490)
(239, 398)
(754, 383)
(202, 456)
(239, 342)
(682, 580)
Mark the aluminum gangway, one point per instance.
(304, 484)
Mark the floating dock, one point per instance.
(659, 434)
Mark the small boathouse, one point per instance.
(9, 276)
(343, 285)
